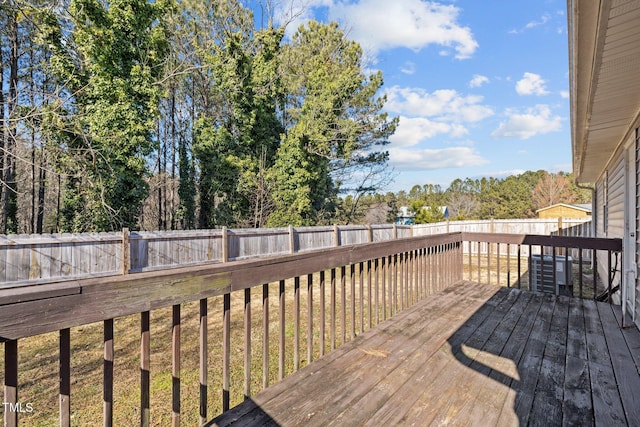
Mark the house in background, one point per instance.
(564, 210)
(406, 216)
(604, 64)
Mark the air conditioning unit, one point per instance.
(542, 276)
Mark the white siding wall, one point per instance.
(610, 194)
(615, 227)
(636, 198)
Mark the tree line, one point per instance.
(517, 196)
(180, 114)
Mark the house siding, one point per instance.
(636, 200)
(610, 194)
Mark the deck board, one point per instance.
(471, 355)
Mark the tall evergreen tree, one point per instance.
(333, 122)
(111, 70)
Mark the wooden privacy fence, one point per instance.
(35, 259)
(349, 289)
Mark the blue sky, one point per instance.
(481, 87)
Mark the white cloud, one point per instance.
(412, 131)
(535, 121)
(532, 24)
(501, 174)
(478, 80)
(531, 84)
(408, 68)
(414, 24)
(429, 159)
(441, 105)
(565, 94)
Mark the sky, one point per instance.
(481, 87)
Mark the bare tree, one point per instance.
(552, 189)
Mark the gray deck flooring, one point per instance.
(470, 355)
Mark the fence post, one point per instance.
(225, 244)
(336, 235)
(292, 240)
(395, 232)
(126, 252)
(559, 226)
(370, 231)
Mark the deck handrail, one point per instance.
(374, 281)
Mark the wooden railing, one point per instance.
(349, 289)
(47, 258)
(356, 286)
(575, 266)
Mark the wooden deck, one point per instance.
(471, 355)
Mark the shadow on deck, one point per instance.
(470, 355)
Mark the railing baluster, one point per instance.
(332, 309)
(508, 265)
(247, 343)
(498, 263)
(488, 263)
(107, 374)
(10, 383)
(432, 269)
(580, 271)
(145, 374)
(384, 287)
(376, 278)
(554, 272)
(352, 287)
(479, 262)
(322, 313)
(65, 377)
(609, 277)
(519, 266)
(226, 352)
(470, 263)
(567, 266)
(343, 296)
(594, 257)
(203, 361)
(400, 277)
(369, 298)
(394, 271)
(419, 273)
(175, 365)
(296, 323)
(265, 335)
(361, 286)
(309, 318)
(281, 336)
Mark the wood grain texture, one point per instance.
(470, 355)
